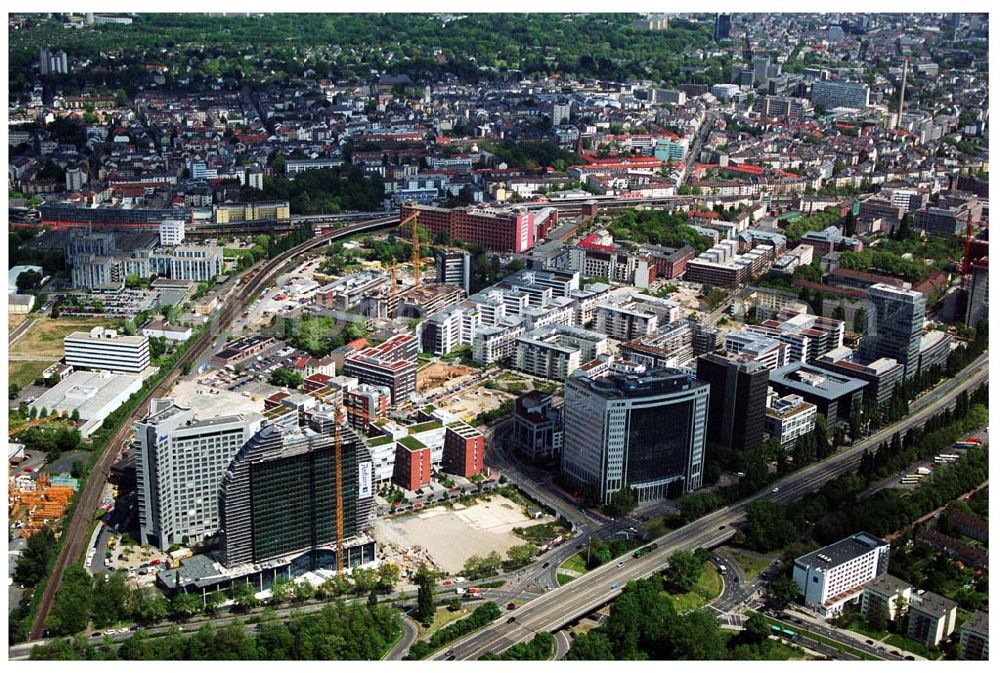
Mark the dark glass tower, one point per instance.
(737, 401)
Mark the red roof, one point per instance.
(590, 242)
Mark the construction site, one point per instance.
(445, 537)
(35, 503)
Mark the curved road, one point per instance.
(556, 608)
(410, 631)
(74, 533)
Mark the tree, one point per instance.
(32, 565)
(71, 610)
(364, 579)
(592, 646)
(521, 555)
(244, 599)
(152, 606)
(184, 605)
(286, 378)
(782, 592)
(768, 527)
(28, 280)
(683, 572)
(214, 600)
(282, 590)
(388, 576)
(622, 502)
(878, 615)
(425, 595)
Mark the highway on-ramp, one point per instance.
(565, 604)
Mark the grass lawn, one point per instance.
(563, 578)
(45, 337)
(707, 589)
(783, 652)
(575, 562)
(443, 617)
(910, 645)
(15, 319)
(750, 565)
(861, 625)
(24, 372)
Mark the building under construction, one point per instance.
(279, 498)
(278, 504)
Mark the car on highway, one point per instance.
(722, 527)
(869, 642)
(110, 632)
(450, 657)
(775, 489)
(615, 585)
(621, 564)
(546, 565)
(512, 620)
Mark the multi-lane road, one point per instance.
(564, 604)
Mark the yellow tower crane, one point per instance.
(412, 219)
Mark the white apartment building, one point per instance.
(446, 330)
(180, 460)
(788, 418)
(631, 316)
(835, 575)
(102, 348)
(558, 351)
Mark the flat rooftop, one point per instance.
(86, 392)
(841, 552)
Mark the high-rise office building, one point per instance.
(738, 398)
(642, 430)
(723, 26)
(74, 179)
(454, 266)
(179, 462)
(895, 325)
(278, 496)
(978, 295)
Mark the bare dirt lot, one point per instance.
(439, 374)
(450, 536)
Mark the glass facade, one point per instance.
(659, 444)
(293, 501)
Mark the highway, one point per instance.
(562, 605)
(74, 534)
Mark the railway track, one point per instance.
(74, 535)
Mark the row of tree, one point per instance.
(480, 617)
(337, 632)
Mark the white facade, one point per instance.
(788, 418)
(834, 575)
(171, 232)
(104, 349)
(180, 461)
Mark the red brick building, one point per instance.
(497, 230)
(412, 468)
(464, 447)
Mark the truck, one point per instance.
(459, 591)
(722, 569)
(924, 471)
(474, 592)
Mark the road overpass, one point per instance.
(583, 595)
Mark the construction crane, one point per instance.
(412, 218)
(338, 457)
(392, 286)
(966, 259)
(30, 424)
